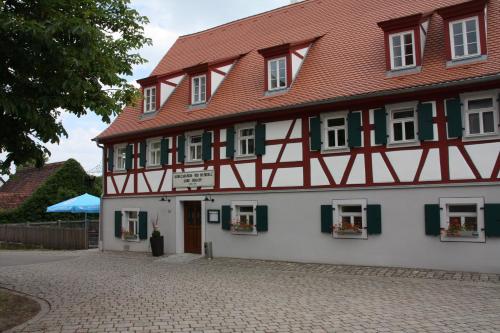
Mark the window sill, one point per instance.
(403, 71)
(466, 60)
(335, 150)
(194, 163)
(154, 167)
(135, 240)
(276, 92)
(403, 144)
(120, 171)
(198, 106)
(148, 115)
(245, 157)
(479, 137)
(244, 233)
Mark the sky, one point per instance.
(169, 19)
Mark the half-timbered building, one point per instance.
(324, 131)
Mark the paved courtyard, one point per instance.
(115, 292)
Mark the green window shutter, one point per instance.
(230, 142)
(260, 139)
(142, 155)
(454, 115)
(181, 148)
(164, 151)
(226, 217)
(261, 213)
(143, 225)
(315, 133)
(326, 219)
(128, 157)
(118, 224)
(432, 220)
(354, 129)
(374, 219)
(380, 121)
(206, 146)
(425, 125)
(111, 158)
(492, 220)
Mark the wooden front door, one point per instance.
(192, 227)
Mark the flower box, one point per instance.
(243, 228)
(348, 232)
(130, 237)
(461, 233)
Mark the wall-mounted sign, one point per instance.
(204, 178)
(213, 216)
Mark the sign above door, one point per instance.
(204, 178)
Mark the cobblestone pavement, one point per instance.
(115, 292)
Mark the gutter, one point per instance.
(342, 99)
(101, 205)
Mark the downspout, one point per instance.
(101, 226)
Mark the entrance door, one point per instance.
(192, 227)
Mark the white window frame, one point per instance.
(152, 154)
(278, 87)
(239, 138)
(337, 215)
(234, 215)
(117, 156)
(398, 108)
(200, 100)
(444, 203)
(189, 145)
(464, 31)
(402, 46)
(465, 113)
(325, 129)
(150, 99)
(125, 223)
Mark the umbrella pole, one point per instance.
(86, 232)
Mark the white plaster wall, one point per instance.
(484, 157)
(337, 165)
(381, 173)
(318, 176)
(288, 177)
(247, 173)
(357, 174)
(432, 166)
(459, 169)
(405, 163)
(277, 129)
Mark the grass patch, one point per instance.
(15, 309)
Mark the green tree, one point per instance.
(60, 55)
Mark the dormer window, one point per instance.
(150, 99)
(402, 46)
(199, 89)
(277, 73)
(464, 37)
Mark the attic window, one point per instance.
(277, 78)
(402, 47)
(199, 89)
(149, 99)
(464, 37)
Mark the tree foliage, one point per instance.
(60, 55)
(69, 181)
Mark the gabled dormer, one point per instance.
(404, 42)
(282, 64)
(465, 31)
(157, 89)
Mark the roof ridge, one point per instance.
(300, 2)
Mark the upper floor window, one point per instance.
(464, 36)
(480, 116)
(198, 89)
(402, 47)
(246, 138)
(403, 124)
(335, 132)
(150, 99)
(277, 76)
(154, 149)
(120, 157)
(194, 147)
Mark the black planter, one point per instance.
(156, 246)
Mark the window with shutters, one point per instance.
(464, 38)
(403, 123)
(246, 140)
(150, 99)
(130, 224)
(277, 73)
(462, 219)
(243, 219)
(334, 131)
(198, 89)
(154, 153)
(194, 147)
(480, 115)
(402, 48)
(349, 218)
(120, 157)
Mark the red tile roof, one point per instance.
(22, 185)
(348, 60)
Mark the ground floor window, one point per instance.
(462, 219)
(130, 225)
(349, 218)
(243, 217)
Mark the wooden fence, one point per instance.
(60, 235)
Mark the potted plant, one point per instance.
(238, 226)
(128, 236)
(346, 229)
(156, 240)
